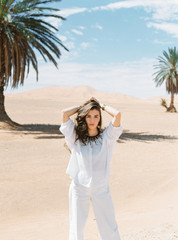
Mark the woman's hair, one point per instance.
(80, 122)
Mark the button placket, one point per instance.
(91, 160)
(90, 157)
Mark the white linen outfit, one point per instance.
(89, 169)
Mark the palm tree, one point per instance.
(24, 32)
(168, 71)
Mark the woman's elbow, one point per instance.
(118, 115)
(64, 116)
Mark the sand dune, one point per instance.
(78, 93)
(33, 160)
(81, 92)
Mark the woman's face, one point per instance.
(92, 119)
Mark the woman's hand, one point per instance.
(101, 105)
(92, 98)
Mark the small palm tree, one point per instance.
(24, 30)
(168, 71)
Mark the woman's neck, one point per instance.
(92, 132)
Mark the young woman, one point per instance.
(89, 167)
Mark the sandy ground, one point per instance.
(33, 160)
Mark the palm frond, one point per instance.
(8, 5)
(166, 70)
(24, 29)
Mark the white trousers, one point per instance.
(79, 200)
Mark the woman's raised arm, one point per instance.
(66, 113)
(114, 113)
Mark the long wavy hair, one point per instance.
(81, 126)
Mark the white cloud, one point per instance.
(156, 41)
(118, 5)
(62, 38)
(81, 27)
(97, 26)
(131, 78)
(170, 28)
(162, 9)
(166, 11)
(77, 32)
(71, 11)
(85, 44)
(55, 22)
(70, 45)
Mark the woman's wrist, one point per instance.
(70, 111)
(80, 106)
(112, 111)
(103, 106)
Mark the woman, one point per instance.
(91, 151)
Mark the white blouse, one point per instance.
(90, 164)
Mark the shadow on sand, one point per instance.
(144, 137)
(51, 131)
(40, 131)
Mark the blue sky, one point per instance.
(113, 46)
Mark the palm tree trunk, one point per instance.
(172, 108)
(2, 108)
(172, 99)
(3, 115)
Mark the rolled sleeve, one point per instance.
(113, 133)
(68, 130)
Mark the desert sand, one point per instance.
(33, 160)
